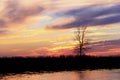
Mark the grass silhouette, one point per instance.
(23, 64)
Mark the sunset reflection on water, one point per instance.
(67, 75)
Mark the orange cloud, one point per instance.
(60, 21)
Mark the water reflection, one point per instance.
(67, 75)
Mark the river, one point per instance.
(100, 74)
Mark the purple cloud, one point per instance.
(14, 12)
(92, 15)
(105, 46)
(3, 32)
(2, 23)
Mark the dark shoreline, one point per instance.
(30, 64)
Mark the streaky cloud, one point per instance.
(14, 12)
(89, 15)
(3, 32)
(2, 23)
(105, 47)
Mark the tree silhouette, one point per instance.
(80, 38)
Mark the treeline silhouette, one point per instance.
(33, 64)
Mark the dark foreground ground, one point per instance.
(18, 64)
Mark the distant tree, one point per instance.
(80, 33)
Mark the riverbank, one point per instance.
(19, 64)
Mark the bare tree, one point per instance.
(80, 38)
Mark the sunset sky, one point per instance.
(46, 27)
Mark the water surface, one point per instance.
(102, 74)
